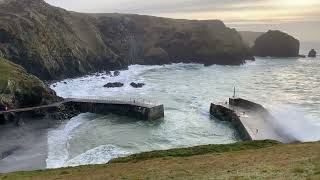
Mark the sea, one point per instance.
(288, 87)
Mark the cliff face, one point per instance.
(20, 89)
(276, 44)
(53, 43)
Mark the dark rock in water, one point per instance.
(251, 58)
(103, 77)
(65, 83)
(312, 53)
(137, 85)
(108, 73)
(116, 73)
(249, 54)
(302, 56)
(114, 85)
(276, 44)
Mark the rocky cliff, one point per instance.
(276, 44)
(53, 43)
(20, 89)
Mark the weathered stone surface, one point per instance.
(114, 85)
(20, 89)
(53, 43)
(312, 53)
(137, 85)
(276, 44)
(72, 107)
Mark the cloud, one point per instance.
(227, 10)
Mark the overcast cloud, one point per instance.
(234, 12)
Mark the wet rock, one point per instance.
(65, 83)
(137, 85)
(116, 73)
(114, 85)
(312, 53)
(302, 56)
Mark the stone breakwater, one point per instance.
(73, 107)
(251, 120)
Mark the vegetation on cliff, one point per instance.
(248, 160)
(20, 89)
(53, 43)
(276, 44)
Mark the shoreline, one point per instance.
(25, 147)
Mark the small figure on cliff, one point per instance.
(257, 131)
(6, 108)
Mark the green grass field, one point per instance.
(247, 160)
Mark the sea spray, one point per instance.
(296, 124)
(98, 155)
(58, 141)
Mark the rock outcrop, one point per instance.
(137, 85)
(312, 53)
(276, 44)
(114, 85)
(53, 43)
(20, 89)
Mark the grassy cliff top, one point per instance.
(248, 160)
(12, 72)
(20, 89)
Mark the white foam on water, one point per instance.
(93, 85)
(98, 155)
(295, 123)
(58, 142)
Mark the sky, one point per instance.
(300, 18)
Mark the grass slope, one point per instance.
(249, 160)
(20, 89)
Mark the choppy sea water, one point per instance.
(289, 88)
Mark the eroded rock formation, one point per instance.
(312, 53)
(276, 44)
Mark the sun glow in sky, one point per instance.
(230, 11)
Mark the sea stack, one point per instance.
(312, 53)
(276, 44)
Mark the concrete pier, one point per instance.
(137, 110)
(251, 120)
